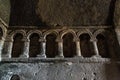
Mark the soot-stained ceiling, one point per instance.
(61, 12)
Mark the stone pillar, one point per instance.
(9, 48)
(1, 47)
(43, 48)
(78, 49)
(117, 19)
(25, 53)
(60, 48)
(94, 41)
(117, 30)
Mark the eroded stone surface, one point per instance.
(117, 14)
(59, 71)
(57, 12)
(74, 12)
(5, 10)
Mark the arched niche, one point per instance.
(34, 45)
(15, 77)
(51, 46)
(69, 48)
(17, 45)
(86, 45)
(1, 33)
(103, 46)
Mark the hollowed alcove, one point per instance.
(69, 48)
(86, 46)
(15, 77)
(102, 46)
(17, 45)
(1, 33)
(51, 46)
(23, 13)
(35, 47)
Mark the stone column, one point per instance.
(78, 49)
(117, 19)
(94, 41)
(25, 53)
(1, 47)
(60, 48)
(43, 48)
(9, 46)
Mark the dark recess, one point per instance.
(23, 13)
(17, 45)
(111, 13)
(15, 77)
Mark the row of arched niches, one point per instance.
(68, 37)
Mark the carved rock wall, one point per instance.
(60, 71)
(74, 12)
(57, 12)
(5, 10)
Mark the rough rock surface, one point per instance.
(74, 12)
(117, 13)
(5, 10)
(59, 71)
(57, 12)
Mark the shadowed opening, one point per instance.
(87, 49)
(15, 77)
(17, 45)
(51, 46)
(69, 48)
(34, 45)
(102, 46)
(1, 33)
(23, 13)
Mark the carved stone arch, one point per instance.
(17, 32)
(86, 46)
(34, 37)
(32, 32)
(103, 43)
(68, 31)
(50, 32)
(17, 37)
(84, 32)
(15, 77)
(68, 38)
(51, 39)
(99, 31)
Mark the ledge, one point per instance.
(59, 27)
(56, 60)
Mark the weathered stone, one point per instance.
(5, 10)
(72, 45)
(59, 71)
(117, 14)
(1, 47)
(74, 12)
(25, 52)
(56, 12)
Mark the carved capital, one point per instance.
(42, 40)
(9, 39)
(93, 40)
(25, 39)
(76, 39)
(59, 40)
